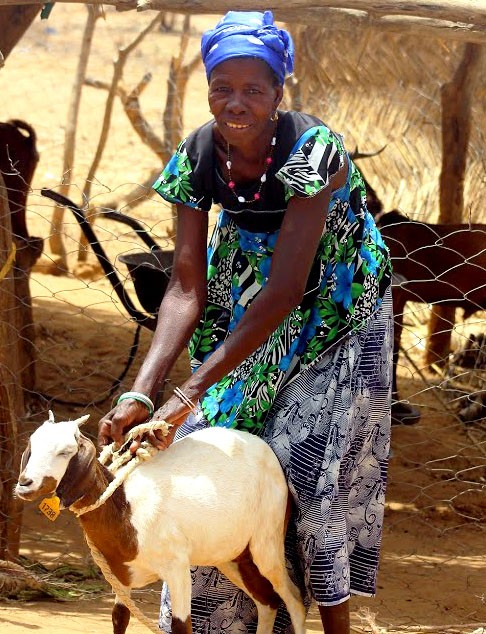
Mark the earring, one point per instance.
(274, 116)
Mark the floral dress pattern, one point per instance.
(348, 279)
(330, 429)
(318, 390)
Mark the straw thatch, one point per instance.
(383, 89)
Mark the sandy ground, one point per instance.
(432, 576)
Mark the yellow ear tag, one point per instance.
(50, 507)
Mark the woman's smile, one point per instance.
(237, 126)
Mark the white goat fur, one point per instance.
(202, 502)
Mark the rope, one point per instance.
(120, 590)
(123, 462)
(9, 261)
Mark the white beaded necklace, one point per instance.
(268, 161)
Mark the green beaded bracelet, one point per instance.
(138, 396)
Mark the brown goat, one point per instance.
(437, 264)
(433, 264)
(18, 160)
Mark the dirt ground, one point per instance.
(433, 569)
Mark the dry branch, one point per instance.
(15, 579)
(463, 20)
(141, 126)
(55, 241)
(119, 65)
(179, 74)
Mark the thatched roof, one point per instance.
(374, 71)
(384, 89)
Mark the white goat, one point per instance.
(217, 497)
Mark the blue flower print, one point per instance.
(344, 279)
(327, 274)
(229, 421)
(236, 292)
(238, 312)
(351, 216)
(264, 267)
(371, 231)
(223, 219)
(252, 241)
(370, 260)
(309, 330)
(172, 166)
(378, 239)
(231, 397)
(285, 360)
(369, 223)
(272, 240)
(210, 253)
(211, 405)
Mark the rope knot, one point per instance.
(121, 462)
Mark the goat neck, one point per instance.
(86, 479)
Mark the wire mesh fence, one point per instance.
(88, 347)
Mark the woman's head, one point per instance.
(243, 97)
(246, 58)
(252, 34)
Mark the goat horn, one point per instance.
(51, 417)
(359, 155)
(82, 420)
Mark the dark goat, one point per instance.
(472, 407)
(437, 264)
(18, 160)
(432, 264)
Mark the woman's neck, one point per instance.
(247, 160)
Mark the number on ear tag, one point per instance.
(50, 507)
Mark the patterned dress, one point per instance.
(318, 389)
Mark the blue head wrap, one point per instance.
(248, 34)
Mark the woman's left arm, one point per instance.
(292, 260)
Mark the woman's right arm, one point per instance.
(178, 316)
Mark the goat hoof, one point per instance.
(404, 414)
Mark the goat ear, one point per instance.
(25, 458)
(82, 420)
(76, 481)
(51, 417)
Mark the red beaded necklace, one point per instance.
(263, 177)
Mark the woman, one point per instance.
(289, 320)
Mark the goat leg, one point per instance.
(178, 579)
(120, 617)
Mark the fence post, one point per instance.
(11, 392)
(456, 98)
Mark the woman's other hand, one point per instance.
(174, 413)
(129, 413)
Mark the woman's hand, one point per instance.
(173, 412)
(114, 425)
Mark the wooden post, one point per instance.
(55, 241)
(11, 393)
(456, 129)
(14, 21)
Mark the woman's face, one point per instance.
(242, 97)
